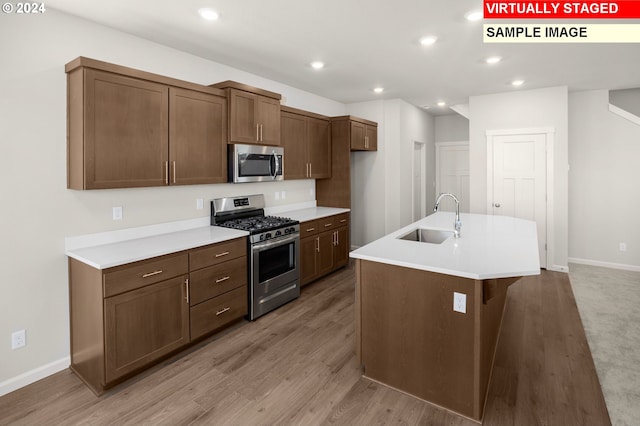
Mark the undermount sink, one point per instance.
(427, 235)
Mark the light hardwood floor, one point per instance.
(297, 366)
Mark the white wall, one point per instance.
(451, 128)
(517, 110)
(381, 181)
(604, 196)
(38, 212)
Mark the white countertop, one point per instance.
(305, 215)
(488, 247)
(119, 253)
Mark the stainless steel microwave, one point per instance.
(255, 163)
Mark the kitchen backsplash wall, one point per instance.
(39, 212)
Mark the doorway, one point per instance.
(452, 174)
(419, 180)
(520, 179)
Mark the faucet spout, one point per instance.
(457, 225)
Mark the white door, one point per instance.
(452, 174)
(519, 184)
(419, 180)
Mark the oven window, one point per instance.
(276, 261)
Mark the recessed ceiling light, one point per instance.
(474, 16)
(442, 103)
(378, 89)
(428, 40)
(317, 65)
(517, 82)
(493, 60)
(208, 14)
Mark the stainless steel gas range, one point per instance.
(274, 250)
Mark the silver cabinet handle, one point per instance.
(261, 135)
(219, 280)
(166, 173)
(326, 225)
(174, 172)
(222, 254)
(343, 220)
(186, 289)
(318, 244)
(311, 229)
(222, 311)
(257, 132)
(150, 274)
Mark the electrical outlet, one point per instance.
(199, 203)
(117, 213)
(623, 246)
(18, 339)
(284, 195)
(277, 195)
(460, 302)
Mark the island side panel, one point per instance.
(491, 309)
(412, 339)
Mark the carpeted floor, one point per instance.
(609, 304)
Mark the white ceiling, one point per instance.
(365, 44)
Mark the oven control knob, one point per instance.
(267, 235)
(278, 233)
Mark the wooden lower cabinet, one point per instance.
(125, 318)
(324, 246)
(144, 324)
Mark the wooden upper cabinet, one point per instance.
(269, 119)
(306, 139)
(364, 135)
(254, 114)
(198, 137)
(129, 128)
(294, 135)
(124, 140)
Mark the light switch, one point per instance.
(117, 213)
(460, 302)
(199, 203)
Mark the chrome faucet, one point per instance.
(457, 224)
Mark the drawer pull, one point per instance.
(326, 225)
(222, 254)
(311, 229)
(343, 220)
(219, 280)
(222, 311)
(150, 274)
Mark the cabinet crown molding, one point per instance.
(230, 84)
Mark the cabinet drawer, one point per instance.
(333, 222)
(140, 274)
(215, 280)
(218, 312)
(308, 228)
(217, 253)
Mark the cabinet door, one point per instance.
(269, 119)
(341, 247)
(325, 254)
(308, 249)
(357, 135)
(144, 324)
(371, 134)
(126, 131)
(198, 137)
(319, 143)
(294, 134)
(243, 122)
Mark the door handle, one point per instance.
(497, 205)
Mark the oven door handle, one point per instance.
(277, 165)
(276, 242)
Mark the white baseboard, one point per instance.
(558, 268)
(34, 375)
(611, 265)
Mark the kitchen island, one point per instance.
(428, 314)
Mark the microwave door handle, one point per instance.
(277, 164)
